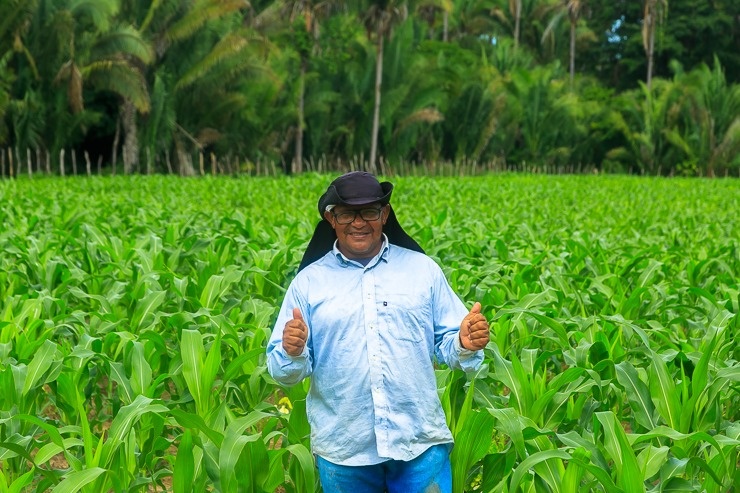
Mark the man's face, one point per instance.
(359, 236)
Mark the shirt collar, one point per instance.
(382, 255)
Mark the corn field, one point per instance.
(135, 311)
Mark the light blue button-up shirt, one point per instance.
(373, 334)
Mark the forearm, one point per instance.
(451, 352)
(288, 370)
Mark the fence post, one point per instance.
(61, 162)
(87, 164)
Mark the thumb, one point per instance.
(476, 308)
(297, 314)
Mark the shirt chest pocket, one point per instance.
(406, 317)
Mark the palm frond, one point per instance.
(200, 15)
(13, 15)
(119, 77)
(230, 46)
(99, 12)
(424, 115)
(123, 40)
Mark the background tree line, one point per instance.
(184, 86)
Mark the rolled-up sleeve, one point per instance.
(285, 369)
(449, 312)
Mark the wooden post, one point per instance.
(88, 168)
(201, 162)
(19, 162)
(48, 163)
(213, 164)
(61, 162)
(74, 162)
(114, 153)
(167, 160)
(28, 162)
(10, 162)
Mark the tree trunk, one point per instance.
(445, 26)
(184, 160)
(130, 138)
(572, 51)
(376, 111)
(517, 20)
(114, 151)
(298, 160)
(649, 38)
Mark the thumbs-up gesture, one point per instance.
(295, 334)
(474, 333)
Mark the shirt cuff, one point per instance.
(288, 359)
(461, 351)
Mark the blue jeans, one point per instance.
(428, 473)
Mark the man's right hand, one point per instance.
(295, 334)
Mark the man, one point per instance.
(365, 317)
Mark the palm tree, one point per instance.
(647, 119)
(168, 25)
(573, 9)
(654, 13)
(74, 45)
(380, 18)
(14, 15)
(710, 137)
(305, 18)
(513, 11)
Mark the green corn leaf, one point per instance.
(74, 481)
(651, 459)
(573, 439)
(193, 362)
(49, 450)
(511, 374)
(233, 444)
(637, 394)
(629, 476)
(217, 285)
(307, 468)
(42, 361)
(509, 423)
(530, 462)
(146, 307)
(118, 375)
(20, 483)
(699, 380)
(678, 485)
(472, 440)
(276, 472)
(599, 473)
(663, 391)
(574, 472)
(141, 371)
(123, 422)
(184, 474)
(195, 422)
(211, 367)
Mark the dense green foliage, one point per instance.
(215, 86)
(134, 312)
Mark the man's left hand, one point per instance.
(474, 333)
